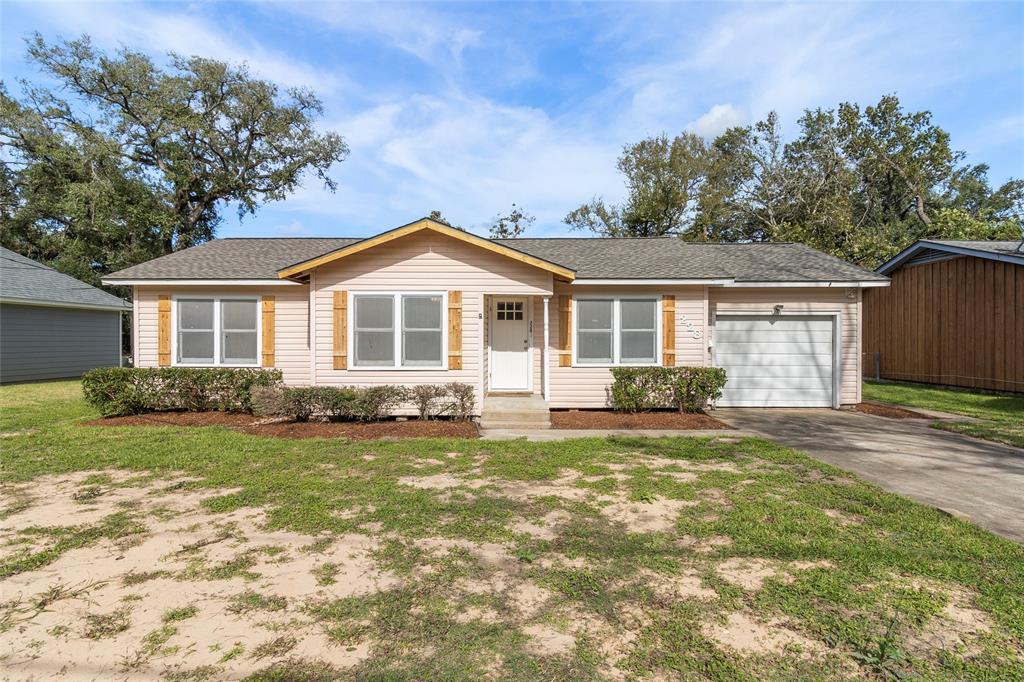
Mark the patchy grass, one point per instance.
(1002, 415)
(693, 558)
(100, 625)
(180, 613)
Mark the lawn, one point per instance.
(1002, 415)
(204, 553)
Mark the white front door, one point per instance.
(510, 344)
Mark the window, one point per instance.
(375, 331)
(617, 331)
(195, 331)
(238, 332)
(509, 310)
(638, 331)
(421, 331)
(213, 331)
(414, 339)
(596, 330)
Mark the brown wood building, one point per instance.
(953, 315)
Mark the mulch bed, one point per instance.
(246, 423)
(607, 419)
(890, 411)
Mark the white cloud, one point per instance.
(466, 156)
(158, 31)
(716, 120)
(429, 36)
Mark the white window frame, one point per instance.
(217, 329)
(617, 329)
(398, 324)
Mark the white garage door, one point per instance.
(775, 361)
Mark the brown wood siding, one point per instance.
(269, 329)
(956, 322)
(454, 330)
(339, 320)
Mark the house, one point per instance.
(954, 315)
(53, 326)
(428, 303)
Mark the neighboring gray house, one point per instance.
(53, 326)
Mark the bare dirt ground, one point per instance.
(174, 590)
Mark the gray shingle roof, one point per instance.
(591, 258)
(23, 279)
(924, 249)
(673, 258)
(233, 259)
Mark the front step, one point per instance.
(519, 412)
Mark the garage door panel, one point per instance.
(775, 362)
(773, 359)
(731, 336)
(773, 347)
(793, 369)
(782, 384)
(749, 324)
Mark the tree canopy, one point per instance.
(859, 183)
(512, 224)
(142, 159)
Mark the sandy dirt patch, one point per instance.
(101, 611)
(751, 573)
(746, 635)
(547, 641)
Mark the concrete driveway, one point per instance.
(966, 477)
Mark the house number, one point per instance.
(694, 332)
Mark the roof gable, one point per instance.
(302, 267)
(928, 250)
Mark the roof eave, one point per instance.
(122, 306)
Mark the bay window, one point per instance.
(617, 331)
(217, 331)
(398, 330)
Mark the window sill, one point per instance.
(435, 368)
(201, 365)
(613, 366)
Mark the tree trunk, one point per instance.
(919, 210)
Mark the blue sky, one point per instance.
(469, 107)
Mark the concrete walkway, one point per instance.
(963, 476)
(564, 434)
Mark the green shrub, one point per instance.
(688, 389)
(434, 400)
(461, 400)
(428, 399)
(373, 403)
(332, 402)
(118, 391)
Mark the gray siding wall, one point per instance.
(39, 342)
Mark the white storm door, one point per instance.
(510, 345)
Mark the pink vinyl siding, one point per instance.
(423, 261)
(587, 387)
(290, 335)
(816, 299)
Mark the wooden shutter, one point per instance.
(269, 329)
(454, 330)
(565, 331)
(668, 331)
(163, 333)
(340, 329)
